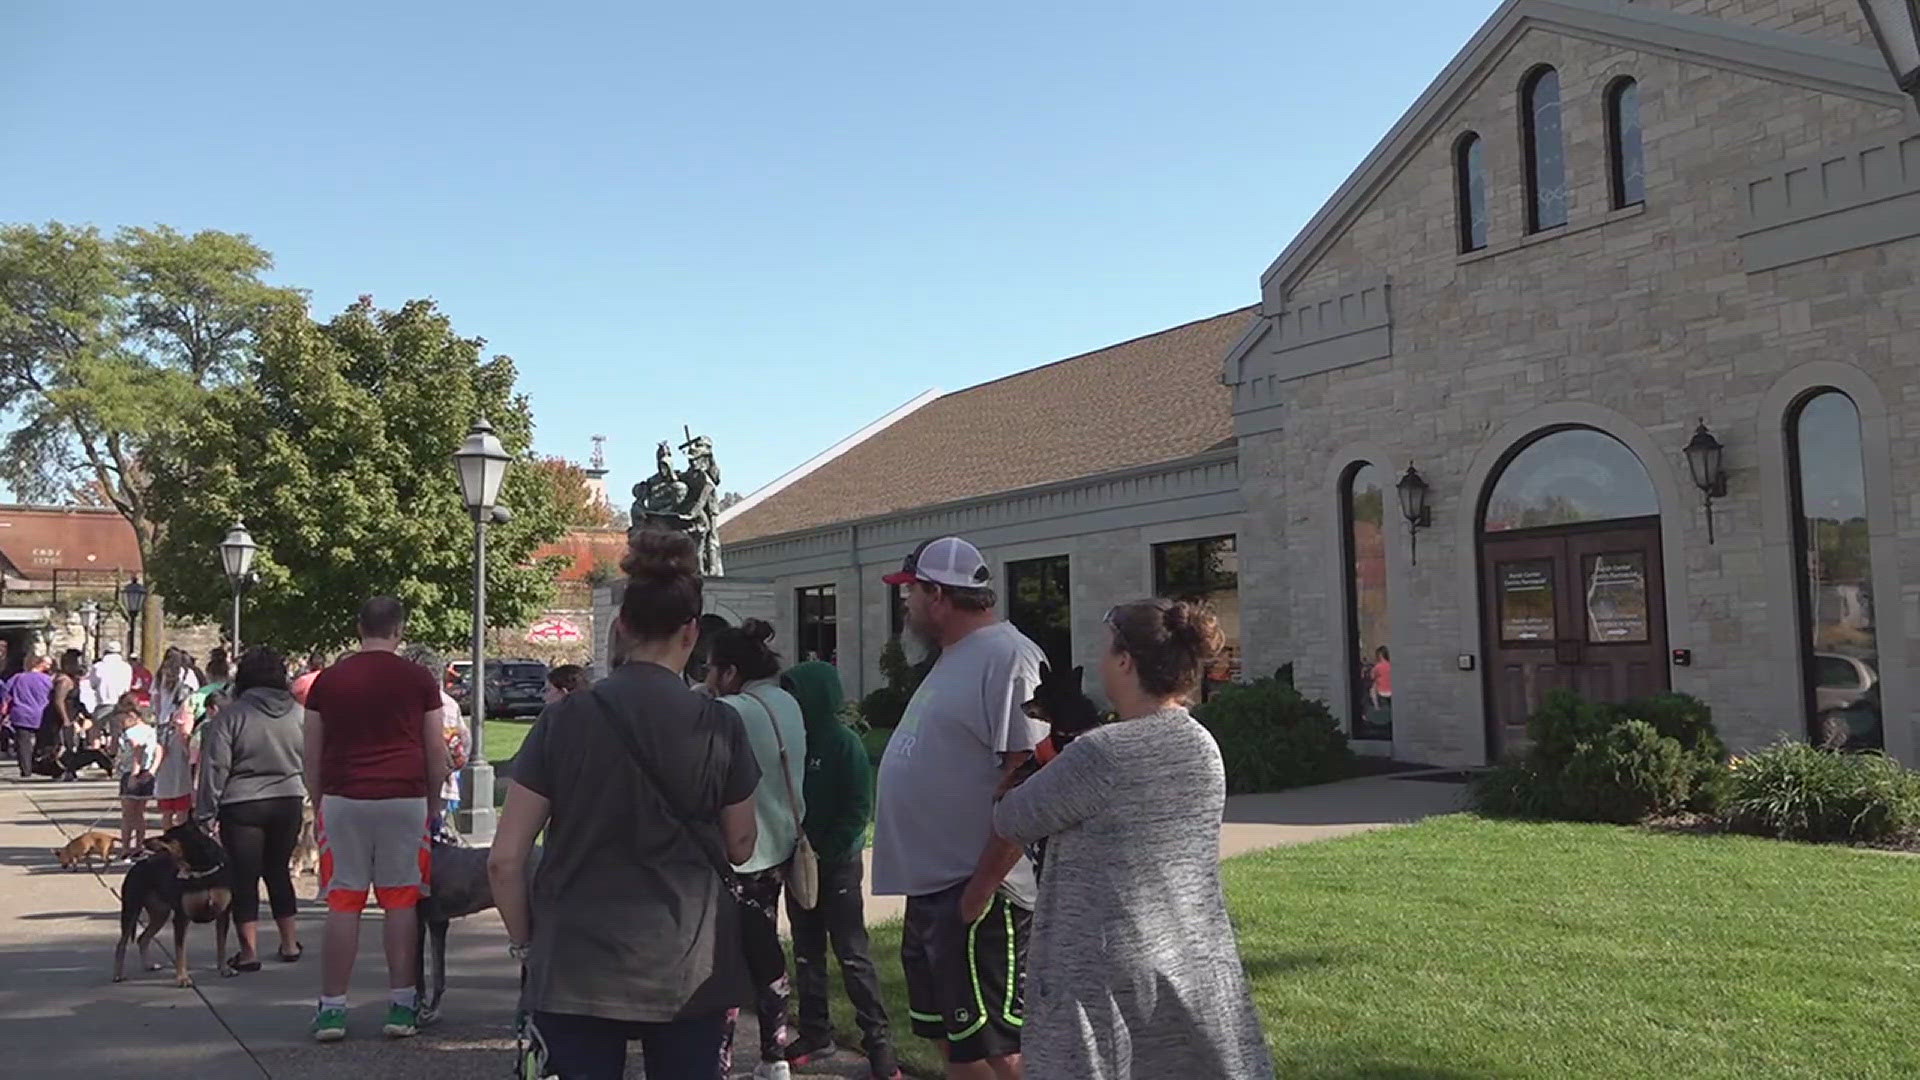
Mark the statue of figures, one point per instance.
(688, 501)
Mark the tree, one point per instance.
(579, 506)
(108, 344)
(336, 453)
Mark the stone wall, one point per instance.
(1645, 315)
(1829, 20)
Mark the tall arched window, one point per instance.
(1363, 497)
(1623, 144)
(1841, 663)
(1470, 186)
(1546, 151)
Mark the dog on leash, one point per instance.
(87, 846)
(1059, 703)
(306, 850)
(184, 879)
(458, 887)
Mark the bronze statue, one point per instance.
(687, 502)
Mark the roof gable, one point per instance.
(1153, 399)
(1847, 70)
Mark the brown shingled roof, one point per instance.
(1155, 398)
(37, 541)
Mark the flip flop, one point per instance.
(238, 965)
(299, 950)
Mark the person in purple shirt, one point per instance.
(27, 697)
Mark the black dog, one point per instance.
(458, 887)
(184, 878)
(1059, 703)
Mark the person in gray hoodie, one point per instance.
(251, 760)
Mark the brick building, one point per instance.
(1604, 228)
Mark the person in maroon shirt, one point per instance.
(375, 761)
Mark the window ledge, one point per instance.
(1555, 233)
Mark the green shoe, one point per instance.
(329, 1025)
(402, 1022)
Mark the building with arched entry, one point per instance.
(1606, 230)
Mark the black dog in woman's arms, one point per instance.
(1059, 703)
(185, 879)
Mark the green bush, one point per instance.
(884, 707)
(1595, 761)
(1272, 738)
(1800, 792)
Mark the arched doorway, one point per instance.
(1572, 587)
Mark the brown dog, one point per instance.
(87, 845)
(306, 851)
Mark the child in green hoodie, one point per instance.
(839, 801)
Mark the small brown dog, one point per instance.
(87, 846)
(306, 851)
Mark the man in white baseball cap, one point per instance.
(111, 677)
(969, 893)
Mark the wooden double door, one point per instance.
(1581, 608)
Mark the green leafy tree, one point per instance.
(108, 343)
(336, 453)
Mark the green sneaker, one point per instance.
(402, 1022)
(329, 1025)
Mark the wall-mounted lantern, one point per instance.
(1705, 461)
(1413, 505)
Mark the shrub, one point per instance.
(1272, 738)
(1627, 774)
(884, 707)
(1515, 788)
(1799, 792)
(1594, 761)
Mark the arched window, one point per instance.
(1841, 664)
(1470, 186)
(1546, 152)
(1363, 498)
(1569, 477)
(1623, 144)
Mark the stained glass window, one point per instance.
(1546, 152)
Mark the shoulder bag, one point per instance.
(763, 969)
(803, 871)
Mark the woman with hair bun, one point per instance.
(1133, 970)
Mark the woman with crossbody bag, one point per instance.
(628, 931)
(743, 671)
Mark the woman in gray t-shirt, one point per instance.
(1134, 971)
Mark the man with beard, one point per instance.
(970, 894)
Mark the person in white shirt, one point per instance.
(110, 679)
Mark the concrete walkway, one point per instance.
(60, 1015)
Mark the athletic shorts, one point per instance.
(175, 805)
(377, 843)
(964, 983)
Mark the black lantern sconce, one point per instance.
(1705, 460)
(1413, 505)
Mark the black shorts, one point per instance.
(964, 983)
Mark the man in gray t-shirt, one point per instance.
(969, 893)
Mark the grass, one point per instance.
(504, 738)
(1464, 948)
(876, 742)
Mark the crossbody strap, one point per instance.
(786, 769)
(716, 858)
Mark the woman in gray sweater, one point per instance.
(250, 781)
(1133, 972)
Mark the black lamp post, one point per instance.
(1413, 506)
(1704, 460)
(482, 464)
(133, 597)
(1896, 26)
(236, 558)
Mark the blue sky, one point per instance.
(772, 222)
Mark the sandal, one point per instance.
(299, 950)
(237, 965)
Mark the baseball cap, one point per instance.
(110, 647)
(948, 561)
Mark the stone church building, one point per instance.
(1442, 465)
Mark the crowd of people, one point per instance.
(696, 790)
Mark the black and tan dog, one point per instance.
(1059, 703)
(185, 879)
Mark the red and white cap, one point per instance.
(948, 561)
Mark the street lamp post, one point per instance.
(1896, 26)
(133, 597)
(482, 465)
(236, 558)
(89, 627)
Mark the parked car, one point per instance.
(514, 687)
(1847, 696)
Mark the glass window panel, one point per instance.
(1040, 604)
(1472, 182)
(1207, 571)
(1526, 600)
(1629, 165)
(1569, 477)
(818, 637)
(1366, 570)
(1836, 570)
(1546, 151)
(1616, 597)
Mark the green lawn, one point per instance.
(1464, 948)
(504, 738)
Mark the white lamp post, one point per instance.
(236, 557)
(482, 464)
(1896, 26)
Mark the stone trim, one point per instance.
(1399, 598)
(1339, 329)
(1883, 542)
(1546, 236)
(1849, 198)
(1845, 70)
(1677, 510)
